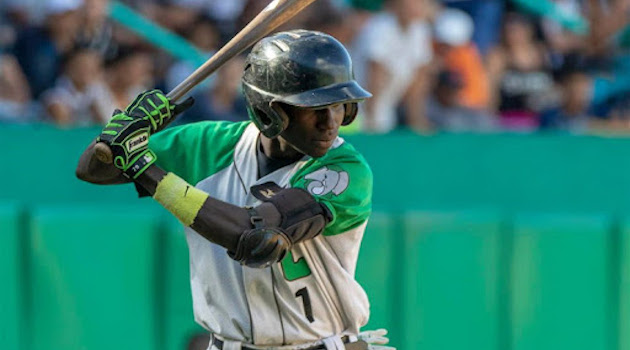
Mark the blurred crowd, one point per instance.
(456, 66)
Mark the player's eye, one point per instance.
(337, 107)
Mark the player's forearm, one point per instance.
(253, 236)
(215, 220)
(90, 169)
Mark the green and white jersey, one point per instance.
(312, 293)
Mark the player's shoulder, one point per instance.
(217, 132)
(342, 180)
(343, 152)
(181, 148)
(343, 158)
(210, 127)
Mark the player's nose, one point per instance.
(327, 118)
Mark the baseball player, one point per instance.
(275, 208)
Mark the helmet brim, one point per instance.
(347, 92)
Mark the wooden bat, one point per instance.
(276, 13)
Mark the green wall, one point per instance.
(477, 242)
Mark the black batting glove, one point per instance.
(128, 138)
(155, 107)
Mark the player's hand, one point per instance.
(128, 138)
(155, 107)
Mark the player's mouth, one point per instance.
(324, 143)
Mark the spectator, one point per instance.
(127, 74)
(96, 29)
(15, 97)
(223, 101)
(8, 34)
(520, 74)
(392, 55)
(175, 16)
(486, 16)
(204, 35)
(343, 23)
(39, 50)
(446, 112)
(76, 98)
(573, 113)
(455, 52)
(250, 10)
(336, 22)
(23, 13)
(224, 13)
(606, 19)
(561, 41)
(617, 119)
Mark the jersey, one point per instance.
(311, 294)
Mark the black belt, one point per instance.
(218, 343)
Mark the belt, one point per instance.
(218, 343)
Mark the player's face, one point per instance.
(312, 131)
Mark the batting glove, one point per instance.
(154, 106)
(376, 339)
(128, 138)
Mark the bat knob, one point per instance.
(103, 153)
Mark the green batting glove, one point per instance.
(128, 138)
(154, 106)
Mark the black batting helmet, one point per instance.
(299, 68)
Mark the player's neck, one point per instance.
(278, 148)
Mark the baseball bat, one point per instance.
(270, 18)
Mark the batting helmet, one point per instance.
(299, 68)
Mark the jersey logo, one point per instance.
(294, 269)
(265, 191)
(325, 181)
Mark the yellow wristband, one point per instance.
(180, 198)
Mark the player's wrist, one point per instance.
(138, 165)
(183, 200)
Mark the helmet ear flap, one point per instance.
(269, 118)
(352, 109)
(282, 116)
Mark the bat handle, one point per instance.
(103, 153)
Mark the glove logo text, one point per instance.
(137, 142)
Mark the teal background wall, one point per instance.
(477, 242)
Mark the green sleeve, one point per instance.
(342, 180)
(198, 150)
